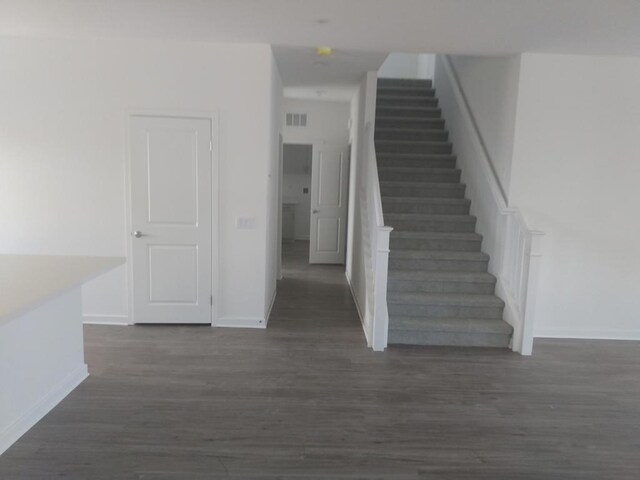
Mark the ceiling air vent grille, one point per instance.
(296, 119)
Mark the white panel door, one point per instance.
(171, 219)
(329, 197)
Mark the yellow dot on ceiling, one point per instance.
(324, 51)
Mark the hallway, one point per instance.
(306, 398)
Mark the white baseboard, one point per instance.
(240, 322)
(273, 300)
(588, 334)
(363, 320)
(37, 411)
(98, 319)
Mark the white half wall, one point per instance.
(63, 145)
(363, 111)
(490, 86)
(575, 176)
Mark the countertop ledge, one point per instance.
(28, 281)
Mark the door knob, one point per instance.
(137, 234)
(316, 211)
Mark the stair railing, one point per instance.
(517, 250)
(376, 245)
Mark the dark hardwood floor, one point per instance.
(305, 399)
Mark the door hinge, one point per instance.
(210, 146)
(211, 299)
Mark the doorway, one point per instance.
(314, 199)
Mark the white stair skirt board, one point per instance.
(363, 319)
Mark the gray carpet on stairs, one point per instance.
(439, 289)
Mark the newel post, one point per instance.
(528, 309)
(380, 312)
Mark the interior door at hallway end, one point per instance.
(171, 219)
(329, 198)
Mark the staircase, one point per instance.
(439, 290)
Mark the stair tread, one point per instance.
(439, 235)
(401, 169)
(446, 299)
(425, 157)
(403, 118)
(438, 255)
(427, 276)
(408, 107)
(394, 116)
(413, 130)
(430, 217)
(461, 325)
(402, 183)
(413, 142)
(418, 98)
(425, 200)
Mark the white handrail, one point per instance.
(521, 248)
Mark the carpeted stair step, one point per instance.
(385, 100)
(419, 222)
(412, 134)
(422, 189)
(421, 92)
(429, 206)
(407, 146)
(461, 332)
(409, 122)
(404, 83)
(461, 242)
(419, 174)
(478, 283)
(410, 112)
(429, 160)
(444, 305)
(438, 261)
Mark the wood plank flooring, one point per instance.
(305, 399)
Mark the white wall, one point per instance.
(62, 152)
(490, 86)
(408, 65)
(327, 121)
(476, 174)
(272, 215)
(575, 175)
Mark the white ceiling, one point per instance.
(307, 75)
(489, 27)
